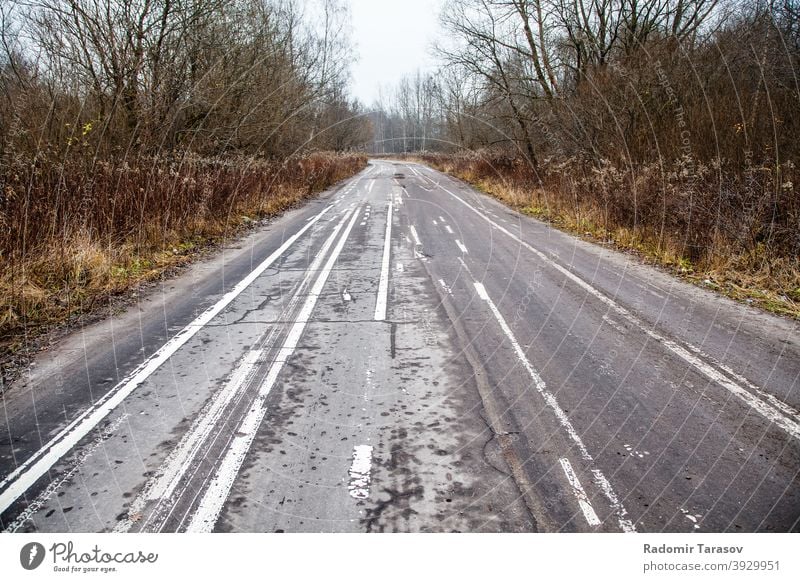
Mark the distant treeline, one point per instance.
(627, 81)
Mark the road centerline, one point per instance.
(383, 284)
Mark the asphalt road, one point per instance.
(406, 354)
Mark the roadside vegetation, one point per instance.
(135, 134)
(668, 128)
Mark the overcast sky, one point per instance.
(393, 38)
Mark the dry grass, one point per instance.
(74, 234)
(737, 233)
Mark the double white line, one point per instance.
(210, 506)
(161, 488)
(25, 475)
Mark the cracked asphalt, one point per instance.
(405, 354)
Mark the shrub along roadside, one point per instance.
(74, 233)
(736, 232)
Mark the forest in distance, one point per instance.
(135, 133)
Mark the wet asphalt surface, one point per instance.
(519, 380)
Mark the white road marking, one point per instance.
(360, 471)
(462, 247)
(773, 414)
(414, 235)
(779, 404)
(445, 287)
(26, 474)
(383, 283)
(210, 506)
(614, 502)
(625, 524)
(580, 494)
(435, 223)
(56, 484)
(442, 219)
(448, 229)
(371, 184)
(161, 486)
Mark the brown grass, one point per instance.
(736, 232)
(74, 233)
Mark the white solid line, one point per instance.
(210, 506)
(56, 484)
(414, 235)
(779, 404)
(162, 485)
(447, 227)
(26, 474)
(189, 446)
(462, 247)
(580, 494)
(616, 505)
(360, 471)
(625, 524)
(789, 424)
(383, 284)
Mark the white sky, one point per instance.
(392, 38)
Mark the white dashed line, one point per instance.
(383, 284)
(360, 471)
(687, 352)
(414, 235)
